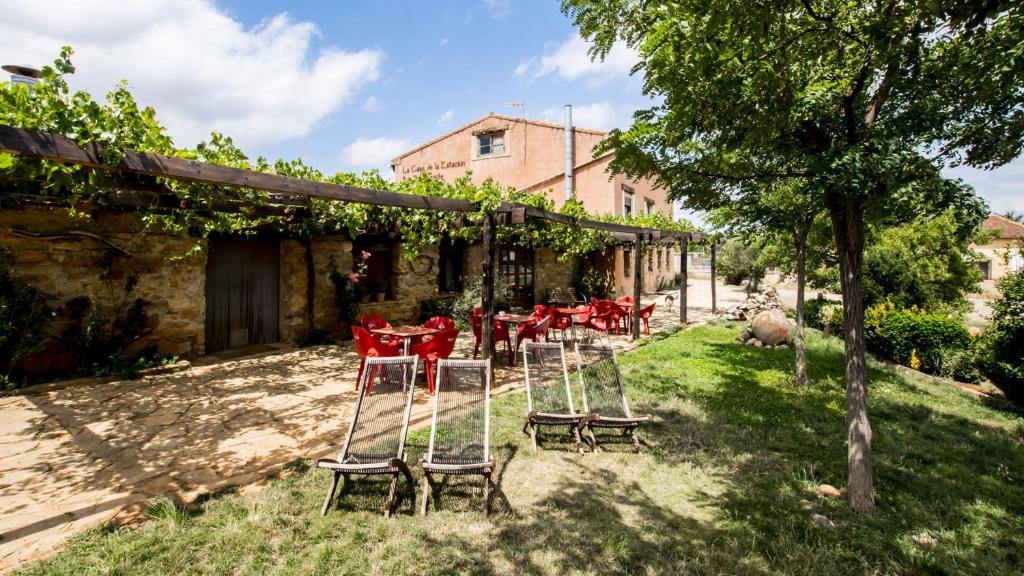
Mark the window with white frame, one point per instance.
(627, 201)
(491, 144)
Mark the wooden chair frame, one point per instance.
(483, 468)
(575, 422)
(627, 423)
(395, 466)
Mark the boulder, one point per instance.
(771, 327)
(743, 336)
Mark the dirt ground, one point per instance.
(92, 453)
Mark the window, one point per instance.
(650, 205)
(449, 268)
(659, 258)
(627, 201)
(627, 268)
(377, 278)
(491, 144)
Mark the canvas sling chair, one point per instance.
(460, 428)
(604, 399)
(548, 395)
(375, 443)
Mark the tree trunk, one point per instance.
(714, 273)
(848, 223)
(801, 278)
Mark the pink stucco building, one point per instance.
(530, 155)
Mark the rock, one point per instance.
(829, 490)
(783, 346)
(769, 347)
(771, 327)
(751, 341)
(743, 336)
(822, 521)
(758, 344)
(806, 504)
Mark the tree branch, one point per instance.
(71, 234)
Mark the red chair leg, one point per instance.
(359, 377)
(430, 376)
(476, 349)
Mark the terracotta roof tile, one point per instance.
(1009, 228)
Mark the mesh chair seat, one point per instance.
(375, 443)
(548, 395)
(460, 425)
(602, 393)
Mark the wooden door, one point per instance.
(516, 265)
(242, 288)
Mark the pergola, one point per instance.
(125, 177)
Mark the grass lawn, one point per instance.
(727, 485)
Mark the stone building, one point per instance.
(531, 156)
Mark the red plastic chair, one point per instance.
(560, 321)
(614, 312)
(628, 299)
(440, 323)
(370, 322)
(532, 331)
(500, 335)
(599, 321)
(645, 315)
(367, 345)
(438, 347)
(593, 301)
(540, 310)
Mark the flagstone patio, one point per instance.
(89, 454)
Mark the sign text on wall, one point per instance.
(442, 165)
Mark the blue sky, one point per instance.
(346, 85)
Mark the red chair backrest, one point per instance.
(535, 329)
(593, 301)
(370, 322)
(624, 299)
(440, 346)
(477, 323)
(647, 311)
(367, 345)
(478, 311)
(440, 323)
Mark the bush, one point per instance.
(463, 304)
(594, 283)
(913, 336)
(962, 365)
(438, 306)
(24, 317)
(1003, 360)
(739, 262)
(812, 312)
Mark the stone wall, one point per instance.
(549, 272)
(70, 266)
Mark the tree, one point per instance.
(1014, 215)
(785, 213)
(863, 103)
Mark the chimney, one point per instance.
(22, 74)
(568, 152)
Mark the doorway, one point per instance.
(242, 287)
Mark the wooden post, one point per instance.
(683, 244)
(487, 291)
(714, 274)
(637, 285)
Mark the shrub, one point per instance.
(812, 312)
(438, 306)
(463, 304)
(913, 336)
(1003, 360)
(962, 365)
(594, 283)
(24, 317)
(740, 262)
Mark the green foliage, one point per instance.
(470, 297)
(593, 282)
(348, 292)
(813, 312)
(24, 317)
(101, 334)
(740, 261)
(119, 125)
(904, 334)
(923, 263)
(440, 306)
(963, 364)
(1003, 361)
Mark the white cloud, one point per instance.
(374, 152)
(372, 104)
(499, 8)
(599, 115)
(446, 117)
(444, 41)
(571, 61)
(199, 68)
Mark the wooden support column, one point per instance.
(638, 284)
(714, 276)
(487, 291)
(683, 242)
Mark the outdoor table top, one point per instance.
(514, 318)
(570, 311)
(626, 304)
(405, 331)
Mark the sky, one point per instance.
(347, 86)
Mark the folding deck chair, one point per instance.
(460, 429)
(548, 395)
(375, 443)
(604, 399)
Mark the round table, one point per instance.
(405, 334)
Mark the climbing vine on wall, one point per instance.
(120, 124)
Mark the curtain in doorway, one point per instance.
(242, 284)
